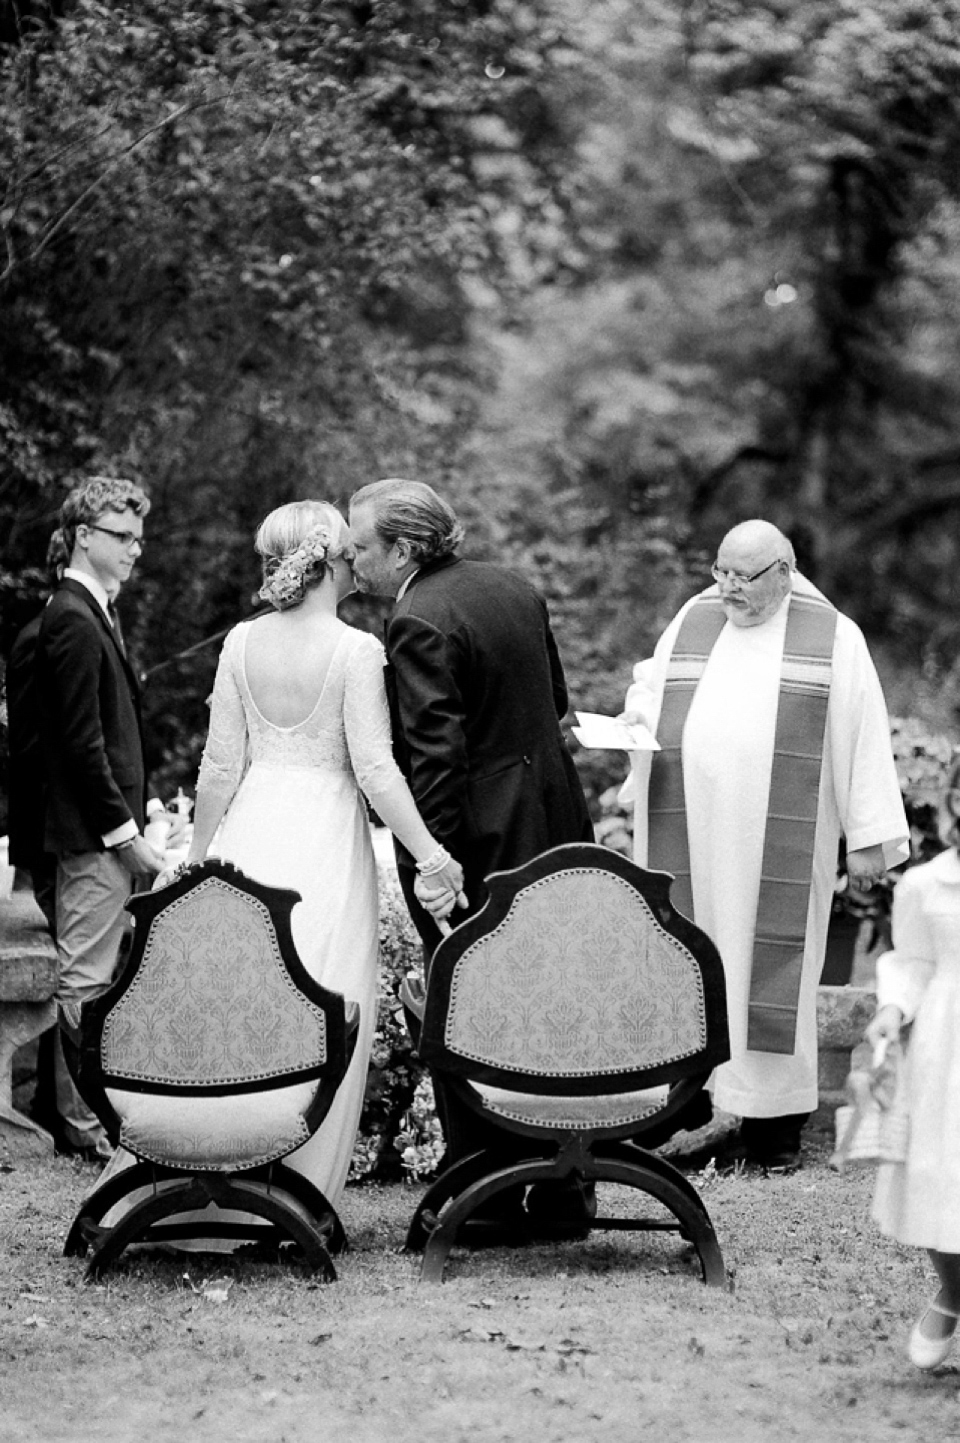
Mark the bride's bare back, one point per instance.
(286, 660)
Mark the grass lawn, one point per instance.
(614, 1339)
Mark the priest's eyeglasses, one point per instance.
(129, 539)
(718, 573)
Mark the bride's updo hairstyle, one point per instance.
(297, 542)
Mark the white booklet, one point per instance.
(607, 732)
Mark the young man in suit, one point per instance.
(93, 762)
(476, 692)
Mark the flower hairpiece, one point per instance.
(286, 583)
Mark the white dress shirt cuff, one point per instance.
(125, 833)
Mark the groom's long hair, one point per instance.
(412, 511)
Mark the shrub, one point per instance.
(397, 1122)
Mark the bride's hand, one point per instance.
(439, 893)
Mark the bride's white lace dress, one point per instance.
(296, 819)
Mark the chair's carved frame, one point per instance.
(591, 1153)
(271, 1191)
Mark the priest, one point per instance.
(774, 744)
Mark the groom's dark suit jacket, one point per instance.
(91, 727)
(476, 691)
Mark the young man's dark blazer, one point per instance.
(476, 691)
(91, 726)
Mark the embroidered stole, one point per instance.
(790, 836)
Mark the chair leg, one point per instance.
(452, 1181)
(315, 1202)
(466, 1202)
(99, 1203)
(630, 1151)
(192, 1193)
(670, 1187)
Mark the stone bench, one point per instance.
(28, 980)
(842, 1017)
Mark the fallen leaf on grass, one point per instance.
(212, 1290)
(480, 1335)
(569, 1346)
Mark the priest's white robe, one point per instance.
(727, 751)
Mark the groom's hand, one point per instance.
(439, 894)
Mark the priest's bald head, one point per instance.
(753, 572)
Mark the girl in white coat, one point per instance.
(918, 1201)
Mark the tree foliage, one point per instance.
(237, 241)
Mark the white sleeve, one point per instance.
(366, 719)
(225, 754)
(864, 772)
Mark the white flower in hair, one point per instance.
(286, 584)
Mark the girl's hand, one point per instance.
(885, 1026)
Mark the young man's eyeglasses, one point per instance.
(129, 539)
(718, 573)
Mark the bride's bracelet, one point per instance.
(434, 863)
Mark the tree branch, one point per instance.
(117, 161)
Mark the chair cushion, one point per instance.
(226, 1133)
(578, 979)
(576, 1113)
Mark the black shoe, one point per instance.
(509, 1229)
(92, 1154)
(783, 1162)
(562, 1211)
(773, 1143)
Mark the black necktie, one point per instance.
(115, 623)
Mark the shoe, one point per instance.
(773, 1143)
(561, 1211)
(504, 1230)
(96, 1153)
(927, 1352)
(783, 1162)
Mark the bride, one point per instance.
(299, 726)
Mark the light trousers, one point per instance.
(92, 888)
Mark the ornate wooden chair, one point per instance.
(581, 1014)
(212, 1057)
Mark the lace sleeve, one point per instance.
(225, 754)
(366, 719)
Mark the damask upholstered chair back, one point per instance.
(212, 1057)
(578, 976)
(215, 1048)
(579, 1015)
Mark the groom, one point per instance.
(476, 693)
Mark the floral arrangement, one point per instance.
(420, 1140)
(287, 581)
(923, 760)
